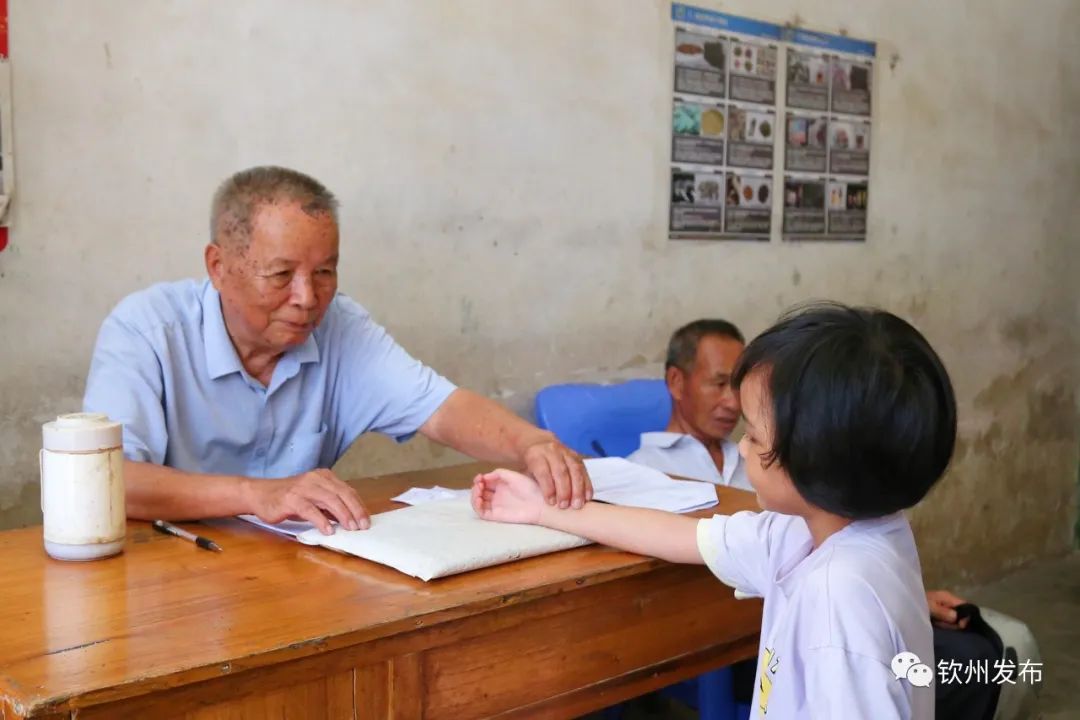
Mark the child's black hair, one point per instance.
(863, 413)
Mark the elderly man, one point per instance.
(704, 407)
(239, 392)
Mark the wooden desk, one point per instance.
(272, 628)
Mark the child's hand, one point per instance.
(941, 604)
(507, 496)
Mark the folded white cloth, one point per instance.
(442, 538)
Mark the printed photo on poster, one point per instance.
(851, 87)
(748, 200)
(753, 72)
(698, 133)
(700, 61)
(804, 207)
(697, 202)
(847, 207)
(806, 141)
(849, 148)
(751, 134)
(807, 81)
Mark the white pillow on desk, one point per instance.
(442, 538)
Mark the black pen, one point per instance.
(169, 529)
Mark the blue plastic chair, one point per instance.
(603, 420)
(607, 421)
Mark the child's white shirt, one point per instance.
(834, 618)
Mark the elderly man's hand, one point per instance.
(315, 496)
(941, 604)
(559, 472)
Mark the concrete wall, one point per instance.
(503, 171)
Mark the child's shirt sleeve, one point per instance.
(744, 549)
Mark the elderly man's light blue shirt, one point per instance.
(165, 367)
(679, 454)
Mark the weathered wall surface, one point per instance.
(503, 172)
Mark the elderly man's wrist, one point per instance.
(245, 491)
(540, 437)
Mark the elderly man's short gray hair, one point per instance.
(683, 346)
(237, 199)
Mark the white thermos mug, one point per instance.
(82, 487)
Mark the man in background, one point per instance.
(704, 408)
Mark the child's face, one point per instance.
(773, 485)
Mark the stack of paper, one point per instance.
(615, 481)
(288, 528)
(621, 482)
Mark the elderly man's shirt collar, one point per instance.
(221, 356)
(664, 440)
(679, 454)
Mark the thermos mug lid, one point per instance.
(81, 432)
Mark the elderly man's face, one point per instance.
(703, 397)
(276, 291)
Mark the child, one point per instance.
(850, 418)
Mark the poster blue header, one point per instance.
(770, 31)
(723, 21)
(824, 41)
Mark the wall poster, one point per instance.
(748, 139)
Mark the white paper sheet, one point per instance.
(621, 482)
(419, 496)
(288, 528)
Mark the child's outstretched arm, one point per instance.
(507, 496)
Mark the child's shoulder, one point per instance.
(776, 525)
(870, 558)
(786, 538)
(866, 592)
(872, 549)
